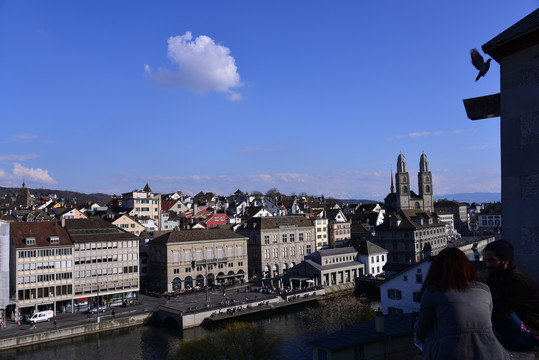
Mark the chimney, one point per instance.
(379, 322)
(63, 222)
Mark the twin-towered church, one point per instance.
(405, 198)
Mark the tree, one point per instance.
(336, 314)
(238, 341)
(273, 192)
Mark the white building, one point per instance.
(400, 293)
(144, 203)
(4, 267)
(373, 256)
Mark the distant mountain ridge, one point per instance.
(99, 198)
(477, 197)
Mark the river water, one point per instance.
(151, 342)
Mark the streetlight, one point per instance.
(98, 302)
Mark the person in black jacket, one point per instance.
(515, 295)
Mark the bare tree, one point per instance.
(336, 314)
(241, 341)
(273, 192)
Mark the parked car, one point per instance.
(101, 308)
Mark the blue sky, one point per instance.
(305, 96)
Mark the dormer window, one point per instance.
(30, 241)
(54, 239)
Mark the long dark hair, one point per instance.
(450, 270)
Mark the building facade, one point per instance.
(277, 243)
(144, 203)
(411, 235)
(105, 263)
(193, 258)
(41, 267)
(330, 266)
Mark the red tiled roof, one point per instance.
(40, 230)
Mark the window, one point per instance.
(220, 253)
(175, 257)
(419, 278)
(393, 310)
(322, 355)
(405, 277)
(300, 236)
(266, 239)
(285, 237)
(291, 237)
(394, 294)
(415, 296)
(240, 251)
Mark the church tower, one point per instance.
(403, 183)
(425, 183)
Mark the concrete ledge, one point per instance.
(65, 333)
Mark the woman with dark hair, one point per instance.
(454, 318)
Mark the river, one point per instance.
(151, 342)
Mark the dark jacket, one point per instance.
(457, 325)
(514, 291)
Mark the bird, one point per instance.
(479, 63)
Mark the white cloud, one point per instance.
(37, 175)
(426, 134)
(23, 137)
(18, 157)
(203, 66)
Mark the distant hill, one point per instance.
(99, 198)
(360, 201)
(478, 197)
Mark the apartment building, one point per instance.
(41, 267)
(105, 263)
(144, 203)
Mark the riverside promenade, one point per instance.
(194, 307)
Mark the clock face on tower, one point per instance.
(403, 178)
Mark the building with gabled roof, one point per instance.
(373, 256)
(411, 235)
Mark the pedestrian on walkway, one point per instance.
(55, 323)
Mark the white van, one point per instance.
(42, 316)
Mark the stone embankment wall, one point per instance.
(58, 334)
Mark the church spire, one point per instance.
(392, 184)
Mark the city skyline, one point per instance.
(305, 97)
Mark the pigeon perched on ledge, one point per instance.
(479, 63)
